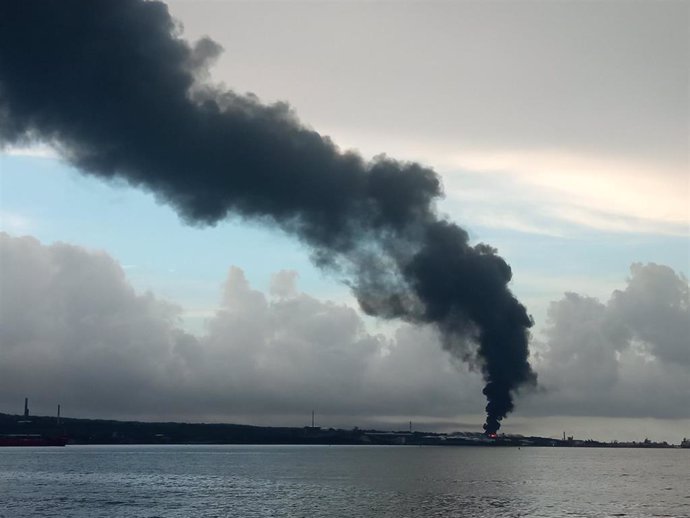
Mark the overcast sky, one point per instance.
(560, 131)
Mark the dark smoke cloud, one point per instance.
(115, 89)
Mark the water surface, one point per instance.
(342, 481)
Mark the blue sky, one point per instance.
(46, 198)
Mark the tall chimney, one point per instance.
(26, 407)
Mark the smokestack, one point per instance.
(113, 87)
(58, 414)
(26, 407)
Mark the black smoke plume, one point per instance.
(115, 89)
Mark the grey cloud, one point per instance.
(287, 353)
(582, 346)
(72, 330)
(284, 283)
(627, 357)
(655, 307)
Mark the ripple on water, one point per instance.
(331, 482)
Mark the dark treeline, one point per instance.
(101, 431)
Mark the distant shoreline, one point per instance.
(105, 432)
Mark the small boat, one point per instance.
(27, 439)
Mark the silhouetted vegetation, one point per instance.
(100, 431)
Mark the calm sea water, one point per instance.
(341, 481)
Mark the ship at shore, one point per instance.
(28, 431)
(30, 439)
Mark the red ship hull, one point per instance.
(31, 440)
